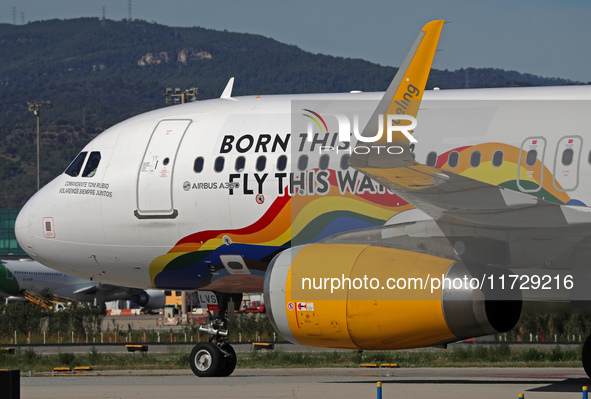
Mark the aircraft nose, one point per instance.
(22, 228)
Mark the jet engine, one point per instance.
(151, 299)
(370, 297)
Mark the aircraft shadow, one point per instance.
(568, 385)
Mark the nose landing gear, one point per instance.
(215, 358)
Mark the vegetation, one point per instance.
(459, 356)
(561, 327)
(34, 324)
(97, 73)
(83, 324)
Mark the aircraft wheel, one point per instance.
(229, 361)
(586, 356)
(206, 360)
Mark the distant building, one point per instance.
(8, 244)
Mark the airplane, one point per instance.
(370, 221)
(28, 278)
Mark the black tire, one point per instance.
(586, 356)
(230, 361)
(206, 360)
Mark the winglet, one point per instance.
(415, 72)
(227, 93)
(405, 92)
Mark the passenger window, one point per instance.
(93, 162)
(452, 159)
(281, 163)
(497, 159)
(323, 163)
(567, 156)
(345, 161)
(240, 162)
(432, 158)
(475, 159)
(76, 165)
(303, 162)
(531, 157)
(261, 163)
(219, 164)
(198, 165)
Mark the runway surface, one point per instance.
(441, 383)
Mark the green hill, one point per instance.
(97, 73)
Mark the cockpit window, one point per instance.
(93, 162)
(76, 165)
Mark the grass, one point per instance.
(476, 356)
(468, 356)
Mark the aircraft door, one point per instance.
(530, 169)
(566, 163)
(155, 176)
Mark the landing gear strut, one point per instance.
(216, 358)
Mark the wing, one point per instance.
(483, 223)
(452, 198)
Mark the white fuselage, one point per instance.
(126, 223)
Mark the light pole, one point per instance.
(178, 96)
(35, 107)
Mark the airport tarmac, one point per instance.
(440, 383)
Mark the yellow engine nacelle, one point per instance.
(368, 297)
